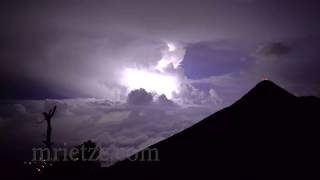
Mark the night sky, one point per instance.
(90, 58)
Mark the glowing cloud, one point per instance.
(157, 79)
(171, 47)
(150, 81)
(172, 55)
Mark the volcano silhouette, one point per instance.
(268, 133)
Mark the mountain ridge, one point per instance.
(268, 133)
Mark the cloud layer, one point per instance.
(121, 129)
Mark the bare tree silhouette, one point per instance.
(47, 117)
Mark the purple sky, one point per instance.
(61, 49)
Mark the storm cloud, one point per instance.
(140, 97)
(78, 48)
(274, 49)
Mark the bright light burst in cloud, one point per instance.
(157, 79)
(150, 81)
(173, 55)
(171, 47)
